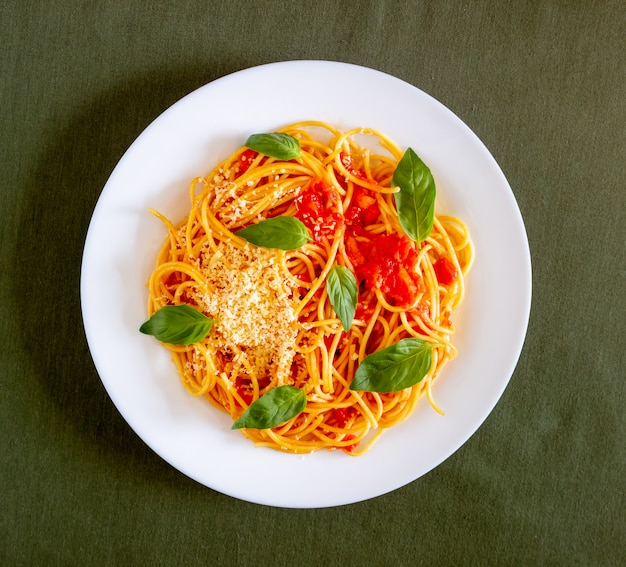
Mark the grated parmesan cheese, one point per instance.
(253, 308)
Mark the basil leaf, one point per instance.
(178, 325)
(342, 292)
(400, 365)
(271, 409)
(415, 201)
(283, 232)
(277, 145)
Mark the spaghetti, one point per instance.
(274, 323)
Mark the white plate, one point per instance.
(188, 140)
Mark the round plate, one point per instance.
(189, 139)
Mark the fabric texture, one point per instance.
(543, 84)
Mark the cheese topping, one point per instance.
(252, 306)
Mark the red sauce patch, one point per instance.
(318, 207)
(445, 271)
(245, 160)
(387, 262)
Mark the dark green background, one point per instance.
(543, 84)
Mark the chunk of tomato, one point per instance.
(318, 207)
(445, 271)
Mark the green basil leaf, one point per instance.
(177, 325)
(342, 291)
(400, 365)
(283, 232)
(415, 201)
(270, 410)
(277, 145)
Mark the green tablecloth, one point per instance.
(543, 84)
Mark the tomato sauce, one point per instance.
(340, 418)
(445, 271)
(245, 160)
(319, 209)
(363, 209)
(387, 262)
